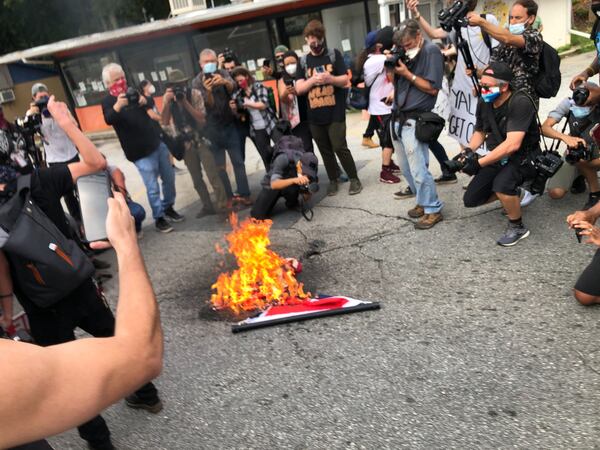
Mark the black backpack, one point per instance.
(293, 148)
(46, 265)
(547, 82)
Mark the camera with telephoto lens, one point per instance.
(546, 165)
(229, 55)
(459, 162)
(398, 54)
(579, 153)
(132, 96)
(239, 102)
(454, 16)
(180, 92)
(42, 105)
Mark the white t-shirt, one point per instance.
(57, 145)
(374, 75)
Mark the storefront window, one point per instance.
(84, 78)
(346, 29)
(294, 28)
(154, 60)
(249, 42)
(374, 16)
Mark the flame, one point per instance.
(263, 278)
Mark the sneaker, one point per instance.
(105, 444)
(355, 186)
(387, 176)
(428, 221)
(446, 178)
(513, 234)
(154, 406)
(332, 188)
(405, 193)
(368, 142)
(417, 212)
(206, 212)
(173, 215)
(163, 225)
(592, 200)
(527, 197)
(578, 186)
(395, 169)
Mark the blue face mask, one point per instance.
(488, 95)
(598, 43)
(517, 28)
(580, 111)
(210, 67)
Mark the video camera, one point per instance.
(398, 54)
(454, 16)
(576, 154)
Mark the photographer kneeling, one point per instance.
(582, 152)
(506, 122)
(293, 173)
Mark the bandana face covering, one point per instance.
(490, 94)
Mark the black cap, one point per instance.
(384, 37)
(499, 71)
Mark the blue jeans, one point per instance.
(414, 160)
(138, 213)
(227, 138)
(150, 168)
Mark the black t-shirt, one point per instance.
(48, 186)
(515, 114)
(137, 132)
(326, 104)
(218, 113)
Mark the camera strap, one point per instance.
(564, 128)
(488, 109)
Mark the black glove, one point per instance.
(471, 166)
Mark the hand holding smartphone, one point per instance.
(94, 191)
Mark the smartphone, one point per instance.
(267, 63)
(320, 69)
(94, 191)
(208, 75)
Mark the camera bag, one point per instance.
(47, 266)
(428, 127)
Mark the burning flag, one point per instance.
(263, 278)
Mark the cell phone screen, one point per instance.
(320, 69)
(94, 191)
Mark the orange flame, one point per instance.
(263, 278)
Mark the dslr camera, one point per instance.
(579, 153)
(398, 54)
(459, 162)
(133, 97)
(229, 55)
(454, 17)
(580, 95)
(546, 165)
(239, 102)
(180, 92)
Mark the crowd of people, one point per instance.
(404, 77)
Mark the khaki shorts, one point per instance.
(566, 175)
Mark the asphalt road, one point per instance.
(476, 346)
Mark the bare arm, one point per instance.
(477, 140)
(590, 71)
(92, 160)
(497, 32)
(83, 377)
(419, 82)
(304, 85)
(433, 33)
(511, 144)
(549, 131)
(287, 182)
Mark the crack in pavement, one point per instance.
(586, 363)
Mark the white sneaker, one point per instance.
(528, 198)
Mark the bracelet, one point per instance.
(417, 17)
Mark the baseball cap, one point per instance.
(371, 39)
(384, 37)
(281, 49)
(499, 71)
(38, 87)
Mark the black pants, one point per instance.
(70, 199)
(83, 308)
(588, 282)
(331, 140)
(243, 130)
(496, 179)
(440, 154)
(371, 127)
(267, 198)
(262, 142)
(302, 131)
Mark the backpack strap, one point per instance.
(330, 53)
(486, 37)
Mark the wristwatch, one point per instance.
(413, 79)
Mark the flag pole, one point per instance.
(237, 328)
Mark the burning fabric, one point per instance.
(263, 278)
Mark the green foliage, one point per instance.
(29, 23)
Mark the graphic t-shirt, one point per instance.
(327, 103)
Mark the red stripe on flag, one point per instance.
(308, 306)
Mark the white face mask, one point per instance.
(413, 52)
(291, 69)
(151, 90)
